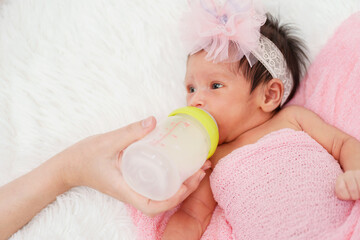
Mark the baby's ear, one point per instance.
(272, 95)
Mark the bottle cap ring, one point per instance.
(206, 120)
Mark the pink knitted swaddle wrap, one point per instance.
(282, 187)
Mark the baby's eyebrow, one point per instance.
(187, 80)
(221, 77)
(186, 83)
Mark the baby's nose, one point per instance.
(197, 100)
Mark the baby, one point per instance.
(243, 71)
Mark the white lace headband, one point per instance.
(213, 26)
(273, 60)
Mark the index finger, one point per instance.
(188, 187)
(123, 137)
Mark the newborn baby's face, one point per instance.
(222, 92)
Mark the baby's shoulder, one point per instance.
(295, 115)
(287, 118)
(291, 111)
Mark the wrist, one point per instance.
(64, 171)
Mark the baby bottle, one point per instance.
(158, 164)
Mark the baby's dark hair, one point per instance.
(290, 46)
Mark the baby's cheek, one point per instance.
(187, 99)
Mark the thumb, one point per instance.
(132, 132)
(341, 189)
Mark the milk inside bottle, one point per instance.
(158, 164)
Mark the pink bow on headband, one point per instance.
(226, 33)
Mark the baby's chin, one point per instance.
(226, 137)
(222, 139)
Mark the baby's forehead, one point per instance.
(199, 60)
(210, 73)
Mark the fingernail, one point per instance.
(146, 122)
(183, 191)
(202, 175)
(206, 166)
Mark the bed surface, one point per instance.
(70, 69)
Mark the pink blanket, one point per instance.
(331, 87)
(282, 187)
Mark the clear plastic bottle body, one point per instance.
(157, 165)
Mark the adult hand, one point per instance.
(98, 166)
(92, 162)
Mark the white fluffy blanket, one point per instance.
(73, 68)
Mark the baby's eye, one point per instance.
(191, 89)
(216, 85)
